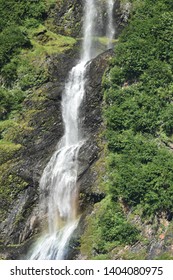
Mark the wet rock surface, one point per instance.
(45, 128)
(91, 125)
(121, 15)
(21, 221)
(39, 142)
(67, 17)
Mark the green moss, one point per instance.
(164, 256)
(106, 229)
(30, 68)
(50, 3)
(102, 257)
(5, 125)
(8, 150)
(138, 255)
(104, 40)
(47, 42)
(10, 182)
(10, 186)
(16, 132)
(100, 168)
(90, 237)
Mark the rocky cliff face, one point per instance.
(22, 221)
(92, 126)
(43, 117)
(92, 151)
(40, 128)
(67, 17)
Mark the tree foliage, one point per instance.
(16, 12)
(11, 40)
(139, 111)
(16, 18)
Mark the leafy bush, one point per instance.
(115, 230)
(141, 173)
(14, 14)
(9, 73)
(139, 111)
(9, 100)
(13, 11)
(107, 227)
(11, 40)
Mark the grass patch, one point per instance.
(46, 41)
(105, 40)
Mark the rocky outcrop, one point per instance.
(92, 125)
(21, 221)
(41, 129)
(68, 20)
(122, 10)
(121, 14)
(67, 17)
(91, 152)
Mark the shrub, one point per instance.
(139, 111)
(9, 100)
(11, 40)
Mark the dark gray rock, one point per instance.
(91, 116)
(38, 144)
(20, 225)
(12, 227)
(67, 17)
(121, 12)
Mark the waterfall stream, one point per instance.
(58, 184)
(110, 26)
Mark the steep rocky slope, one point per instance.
(134, 220)
(33, 133)
(30, 133)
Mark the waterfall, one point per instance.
(88, 30)
(58, 184)
(110, 27)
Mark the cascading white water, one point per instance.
(58, 183)
(110, 27)
(88, 30)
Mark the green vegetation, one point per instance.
(141, 173)
(20, 11)
(26, 46)
(10, 184)
(138, 113)
(7, 150)
(107, 228)
(11, 40)
(15, 14)
(10, 100)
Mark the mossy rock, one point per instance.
(8, 150)
(10, 185)
(67, 17)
